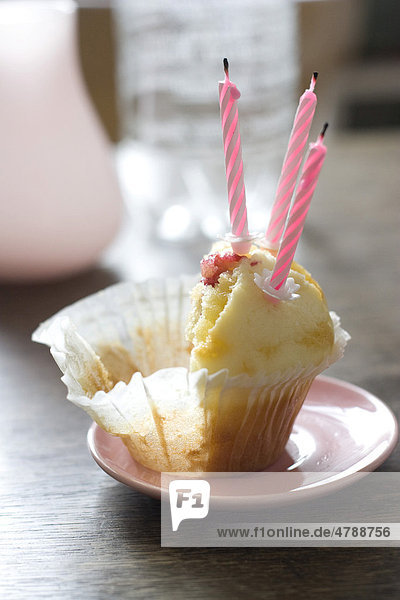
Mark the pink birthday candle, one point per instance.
(298, 212)
(291, 164)
(228, 94)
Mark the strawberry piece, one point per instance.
(214, 264)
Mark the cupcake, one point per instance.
(234, 325)
(197, 375)
(272, 349)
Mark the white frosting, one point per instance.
(286, 292)
(265, 243)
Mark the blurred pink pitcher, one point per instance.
(59, 199)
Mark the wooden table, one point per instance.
(70, 531)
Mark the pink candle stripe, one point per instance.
(237, 207)
(235, 184)
(232, 160)
(298, 212)
(228, 94)
(291, 164)
(242, 224)
(231, 131)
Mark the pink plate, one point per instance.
(341, 428)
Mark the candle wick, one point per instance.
(313, 80)
(226, 67)
(323, 131)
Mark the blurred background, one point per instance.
(151, 69)
(354, 43)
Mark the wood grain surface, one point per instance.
(67, 530)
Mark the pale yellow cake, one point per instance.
(234, 325)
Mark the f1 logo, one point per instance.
(189, 499)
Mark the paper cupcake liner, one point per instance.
(125, 361)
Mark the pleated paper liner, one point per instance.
(125, 361)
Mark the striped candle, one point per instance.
(291, 164)
(298, 212)
(228, 94)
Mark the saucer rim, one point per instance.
(155, 491)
